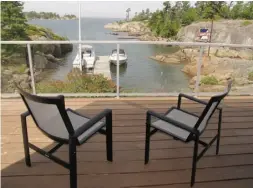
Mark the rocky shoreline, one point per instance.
(136, 29)
(45, 57)
(222, 64)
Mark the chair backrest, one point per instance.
(49, 114)
(213, 103)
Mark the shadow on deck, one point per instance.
(170, 160)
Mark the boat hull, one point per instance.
(122, 59)
(121, 62)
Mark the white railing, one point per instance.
(130, 42)
(118, 94)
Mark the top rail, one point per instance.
(129, 42)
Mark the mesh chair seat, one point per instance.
(180, 116)
(78, 120)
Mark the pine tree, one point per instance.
(13, 26)
(13, 21)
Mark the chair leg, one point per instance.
(147, 142)
(25, 141)
(194, 162)
(219, 130)
(72, 162)
(109, 151)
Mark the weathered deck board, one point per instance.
(170, 160)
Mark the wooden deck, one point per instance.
(170, 160)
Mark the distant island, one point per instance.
(32, 15)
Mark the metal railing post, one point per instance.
(80, 55)
(31, 67)
(80, 35)
(117, 77)
(199, 70)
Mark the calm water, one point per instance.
(141, 73)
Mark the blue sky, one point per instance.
(109, 9)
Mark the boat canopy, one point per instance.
(86, 49)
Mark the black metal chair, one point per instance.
(64, 126)
(185, 126)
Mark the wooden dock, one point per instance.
(102, 66)
(127, 37)
(170, 160)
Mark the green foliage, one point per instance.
(15, 68)
(41, 15)
(13, 21)
(209, 9)
(78, 82)
(35, 30)
(246, 23)
(120, 22)
(13, 25)
(21, 68)
(189, 16)
(57, 37)
(209, 80)
(143, 15)
(69, 16)
(168, 21)
(250, 76)
(242, 10)
(41, 31)
(47, 15)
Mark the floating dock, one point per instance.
(127, 37)
(102, 66)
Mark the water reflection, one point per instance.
(122, 70)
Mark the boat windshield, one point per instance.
(121, 51)
(87, 51)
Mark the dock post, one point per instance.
(199, 71)
(31, 67)
(117, 71)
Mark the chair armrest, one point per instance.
(191, 98)
(175, 123)
(25, 114)
(91, 122)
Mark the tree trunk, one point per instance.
(210, 40)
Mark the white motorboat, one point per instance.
(88, 57)
(122, 57)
